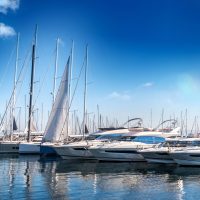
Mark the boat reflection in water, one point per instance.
(34, 178)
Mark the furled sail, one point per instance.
(56, 122)
(14, 124)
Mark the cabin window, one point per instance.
(149, 139)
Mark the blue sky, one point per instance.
(143, 54)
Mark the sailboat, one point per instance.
(128, 150)
(30, 146)
(56, 125)
(81, 149)
(8, 145)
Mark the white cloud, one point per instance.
(120, 96)
(5, 5)
(148, 84)
(6, 31)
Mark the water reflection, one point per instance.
(35, 178)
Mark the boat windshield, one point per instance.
(149, 139)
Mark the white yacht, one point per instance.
(79, 150)
(189, 154)
(118, 151)
(128, 150)
(85, 149)
(160, 152)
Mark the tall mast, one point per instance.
(85, 91)
(55, 71)
(70, 72)
(14, 88)
(31, 87)
(42, 118)
(151, 117)
(186, 122)
(162, 118)
(98, 124)
(69, 88)
(16, 68)
(25, 107)
(181, 125)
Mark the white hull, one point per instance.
(116, 155)
(119, 151)
(73, 152)
(77, 158)
(29, 148)
(157, 156)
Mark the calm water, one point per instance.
(33, 178)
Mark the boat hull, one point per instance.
(9, 147)
(158, 157)
(186, 158)
(29, 148)
(164, 161)
(125, 155)
(73, 152)
(47, 150)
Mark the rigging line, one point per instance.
(42, 84)
(76, 86)
(6, 68)
(19, 76)
(73, 95)
(16, 86)
(22, 81)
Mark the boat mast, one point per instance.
(69, 88)
(98, 124)
(186, 122)
(85, 91)
(14, 89)
(55, 71)
(31, 87)
(42, 117)
(151, 117)
(162, 118)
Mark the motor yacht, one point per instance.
(79, 150)
(160, 153)
(127, 150)
(188, 154)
